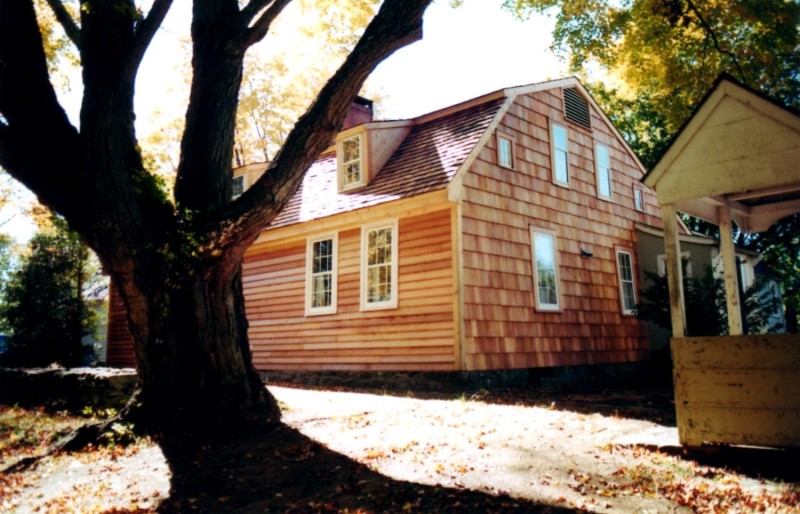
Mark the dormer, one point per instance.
(245, 176)
(362, 151)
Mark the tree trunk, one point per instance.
(192, 353)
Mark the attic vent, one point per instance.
(576, 108)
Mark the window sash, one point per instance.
(351, 161)
(505, 155)
(627, 287)
(237, 186)
(638, 198)
(560, 147)
(321, 275)
(545, 269)
(379, 266)
(603, 163)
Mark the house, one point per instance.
(494, 234)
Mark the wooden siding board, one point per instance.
(419, 334)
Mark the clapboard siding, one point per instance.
(120, 352)
(418, 335)
(502, 327)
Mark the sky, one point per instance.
(465, 52)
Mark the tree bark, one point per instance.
(177, 266)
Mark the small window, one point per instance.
(379, 266)
(638, 198)
(560, 154)
(321, 275)
(603, 167)
(545, 269)
(238, 186)
(627, 288)
(505, 151)
(351, 165)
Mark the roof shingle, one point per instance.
(427, 160)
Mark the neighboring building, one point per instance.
(498, 233)
(700, 252)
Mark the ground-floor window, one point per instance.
(379, 266)
(627, 287)
(545, 269)
(321, 275)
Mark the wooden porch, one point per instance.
(734, 161)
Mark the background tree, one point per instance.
(659, 57)
(176, 264)
(45, 308)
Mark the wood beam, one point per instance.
(672, 250)
(729, 271)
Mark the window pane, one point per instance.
(560, 137)
(238, 185)
(546, 279)
(505, 152)
(379, 265)
(561, 174)
(350, 149)
(626, 282)
(603, 171)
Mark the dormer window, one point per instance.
(238, 186)
(350, 153)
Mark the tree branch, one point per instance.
(397, 24)
(71, 28)
(260, 27)
(707, 28)
(144, 35)
(38, 144)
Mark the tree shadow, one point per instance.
(278, 469)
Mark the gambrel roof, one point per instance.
(439, 147)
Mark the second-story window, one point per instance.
(638, 198)
(351, 162)
(559, 147)
(505, 151)
(603, 167)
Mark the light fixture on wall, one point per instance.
(586, 253)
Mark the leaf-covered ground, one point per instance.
(510, 451)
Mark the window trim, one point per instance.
(393, 301)
(597, 168)
(244, 185)
(329, 309)
(540, 306)
(553, 149)
(502, 136)
(340, 163)
(620, 283)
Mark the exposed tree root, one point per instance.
(80, 438)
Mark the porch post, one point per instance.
(672, 251)
(729, 270)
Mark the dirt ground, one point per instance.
(514, 450)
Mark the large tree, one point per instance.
(177, 265)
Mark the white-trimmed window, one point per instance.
(239, 184)
(321, 276)
(602, 161)
(638, 197)
(627, 285)
(505, 151)
(686, 262)
(379, 266)
(559, 150)
(545, 269)
(350, 152)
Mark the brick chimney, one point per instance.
(360, 112)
